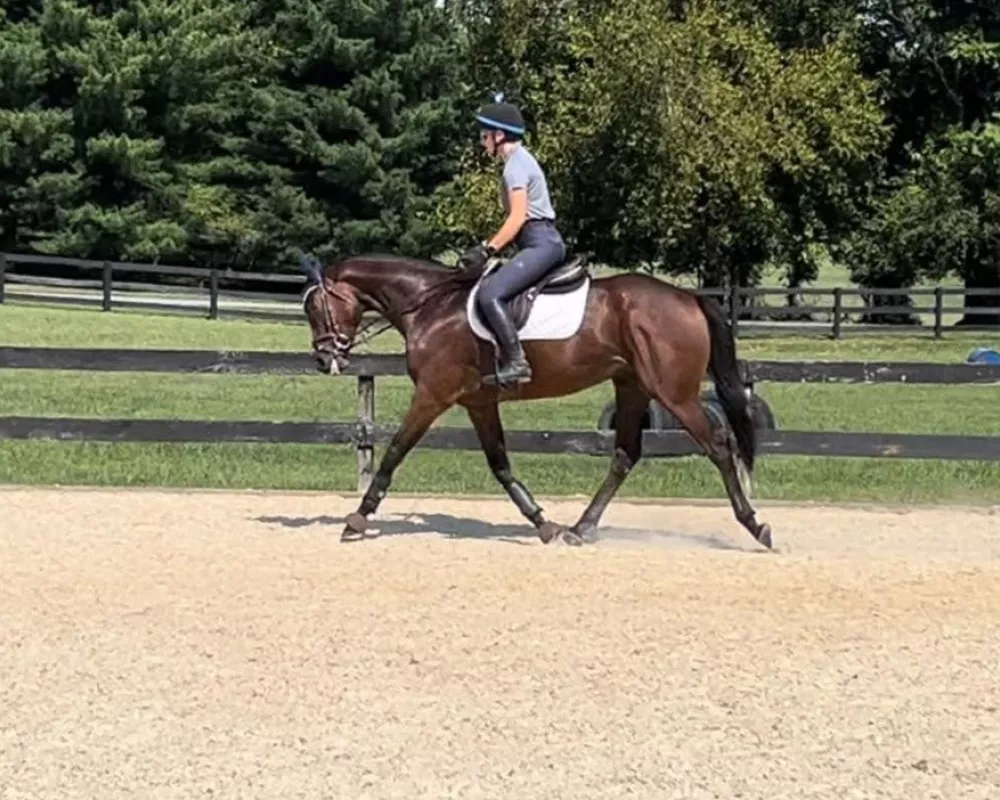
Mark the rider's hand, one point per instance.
(475, 258)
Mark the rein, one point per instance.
(369, 337)
(363, 336)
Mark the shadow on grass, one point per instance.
(453, 527)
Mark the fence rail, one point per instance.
(656, 443)
(215, 292)
(253, 362)
(365, 434)
(192, 290)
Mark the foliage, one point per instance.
(939, 64)
(38, 173)
(943, 218)
(704, 137)
(218, 131)
(689, 142)
(363, 126)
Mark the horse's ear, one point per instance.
(311, 268)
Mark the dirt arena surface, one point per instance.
(208, 644)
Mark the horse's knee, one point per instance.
(502, 472)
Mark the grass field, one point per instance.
(889, 408)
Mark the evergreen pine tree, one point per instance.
(38, 175)
(362, 128)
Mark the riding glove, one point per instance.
(475, 258)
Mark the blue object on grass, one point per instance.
(983, 355)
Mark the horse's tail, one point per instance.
(725, 371)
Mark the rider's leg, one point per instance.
(540, 253)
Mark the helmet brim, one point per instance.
(487, 122)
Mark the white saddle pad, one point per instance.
(552, 316)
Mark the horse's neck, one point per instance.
(390, 293)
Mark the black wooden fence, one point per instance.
(198, 290)
(365, 434)
(150, 287)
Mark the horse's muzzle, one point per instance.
(330, 363)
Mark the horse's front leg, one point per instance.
(424, 409)
(486, 420)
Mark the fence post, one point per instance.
(3, 274)
(106, 287)
(366, 431)
(213, 294)
(838, 308)
(938, 311)
(734, 310)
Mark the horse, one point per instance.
(651, 339)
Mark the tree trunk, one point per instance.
(795, 300)
(984, 278)
(801, 271)
(878, 308)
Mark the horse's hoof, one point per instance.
(586, 533)
(354, 528)
(764, 535)
(548, 531)
(571, 538)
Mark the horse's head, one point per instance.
(334, 312)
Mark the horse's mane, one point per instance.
(448, 280)
(452, 282)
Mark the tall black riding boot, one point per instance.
(514, 367)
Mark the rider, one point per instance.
(530, 225)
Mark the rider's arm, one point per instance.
(517, 201)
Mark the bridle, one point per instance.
(342, 343)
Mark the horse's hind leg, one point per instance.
(720, 446)
(631, 403)
(486, 420)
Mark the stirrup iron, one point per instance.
(517, 371)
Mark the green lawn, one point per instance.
(35, 326)
(889, 408)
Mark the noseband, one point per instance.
(341, 342)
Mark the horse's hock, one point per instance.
(659, 418)
(227, 644)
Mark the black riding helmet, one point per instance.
(501, 116)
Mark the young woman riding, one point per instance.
(530, 227)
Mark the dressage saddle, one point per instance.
(567, 277)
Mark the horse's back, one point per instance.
(639, 287)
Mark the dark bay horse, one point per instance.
(651, 339)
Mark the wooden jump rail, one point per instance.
(365, 434)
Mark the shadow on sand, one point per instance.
(442, 524)
(453, 527)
